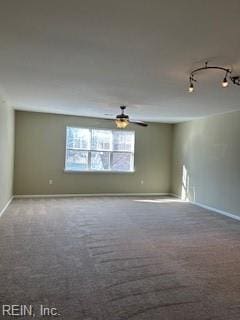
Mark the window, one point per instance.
(99, 150)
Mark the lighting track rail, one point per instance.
(227, 71)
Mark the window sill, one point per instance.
(97, 171)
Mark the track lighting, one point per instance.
(235, 79)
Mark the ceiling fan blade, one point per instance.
(140, 123)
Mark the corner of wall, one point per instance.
(7, 129)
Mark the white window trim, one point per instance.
(94, 150)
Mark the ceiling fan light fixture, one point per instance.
(122, 120)
(122, 123)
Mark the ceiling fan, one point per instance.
(122, 120)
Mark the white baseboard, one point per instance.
(6, 206)
(225, 213)
(27, 196)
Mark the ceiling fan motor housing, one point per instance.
(122, 115)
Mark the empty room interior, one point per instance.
(120, 160)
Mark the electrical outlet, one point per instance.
(142, 181)
(50, 181)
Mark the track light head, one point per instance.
(225, 82)
(235, 80)
(191, 87)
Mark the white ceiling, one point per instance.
(87, 57)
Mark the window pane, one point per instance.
(78, 138)
(99, 149)
(123, 141)
(122, 161)
(100, 160)
(77, 160)
(101, 139)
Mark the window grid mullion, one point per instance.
(95, 150)
(90, 151)
(89, 160)
(111, 159)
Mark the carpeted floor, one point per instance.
(119, 259)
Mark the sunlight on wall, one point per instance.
(185, 184)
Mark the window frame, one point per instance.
(95, 150)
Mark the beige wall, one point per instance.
(6, 153)
(40, 153)
(206, 161)
(205, 158)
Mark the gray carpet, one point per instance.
(119, 259)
